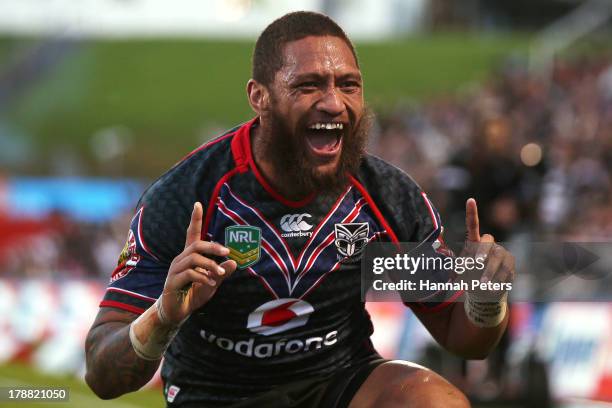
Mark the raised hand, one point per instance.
(498, 262)
(193, 278)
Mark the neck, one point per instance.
(269, 171)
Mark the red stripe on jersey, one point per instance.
(263, 281)
(276, 257)
(130, 293)
(431, 211)
(123, 306)
(374, 208)
(213, 198)
(295, 263)
(205, 145)
(321, 224)
(335, 268)
(331, 237)
(326, 242)
(270, 225)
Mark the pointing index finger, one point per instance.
(471, 221)
(194, 231)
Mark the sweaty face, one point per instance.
(315, 125)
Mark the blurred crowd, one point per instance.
(535, 151)
(66, 248)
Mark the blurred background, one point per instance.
(506, 101)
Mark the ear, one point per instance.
(259, 96)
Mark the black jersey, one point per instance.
(293, 308)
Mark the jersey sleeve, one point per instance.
(138, 279)
(427, 235)
(414, 220)
(157, 231)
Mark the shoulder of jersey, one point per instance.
(202, 167)
(217, 149)
(168, 202)
(378, 174)
(397, 195)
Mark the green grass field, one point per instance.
(172, 94)
(80, 395)
(15, 375)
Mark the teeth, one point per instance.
(328, 126)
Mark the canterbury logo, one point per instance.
(295, 223)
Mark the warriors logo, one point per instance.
(351, 239)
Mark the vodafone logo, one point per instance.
(274, 317)
(173, 390)
(279, 315)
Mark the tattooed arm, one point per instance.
(113, 368)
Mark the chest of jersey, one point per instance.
(290, 251)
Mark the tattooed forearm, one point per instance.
(113, 368)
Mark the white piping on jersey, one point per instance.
(295, 263)
(355, 211)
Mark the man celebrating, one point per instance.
(242, 262)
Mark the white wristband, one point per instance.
(158, 340)
(485, 314)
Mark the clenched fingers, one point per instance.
(494, 260)
(203, 248)
(189, 276)
(207, 248)
(196, 260)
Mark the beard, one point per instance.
(287, 152)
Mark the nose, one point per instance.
(331, 103)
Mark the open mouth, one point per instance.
(325, 138)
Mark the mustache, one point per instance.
(287, 152)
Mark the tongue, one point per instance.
(323, 141)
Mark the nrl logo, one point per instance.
(244, 242)
(351, 239)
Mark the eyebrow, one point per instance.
(352, 75)
(314, 76)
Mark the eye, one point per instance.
(350, 86)
(308, 86)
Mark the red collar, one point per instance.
(243, 156)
